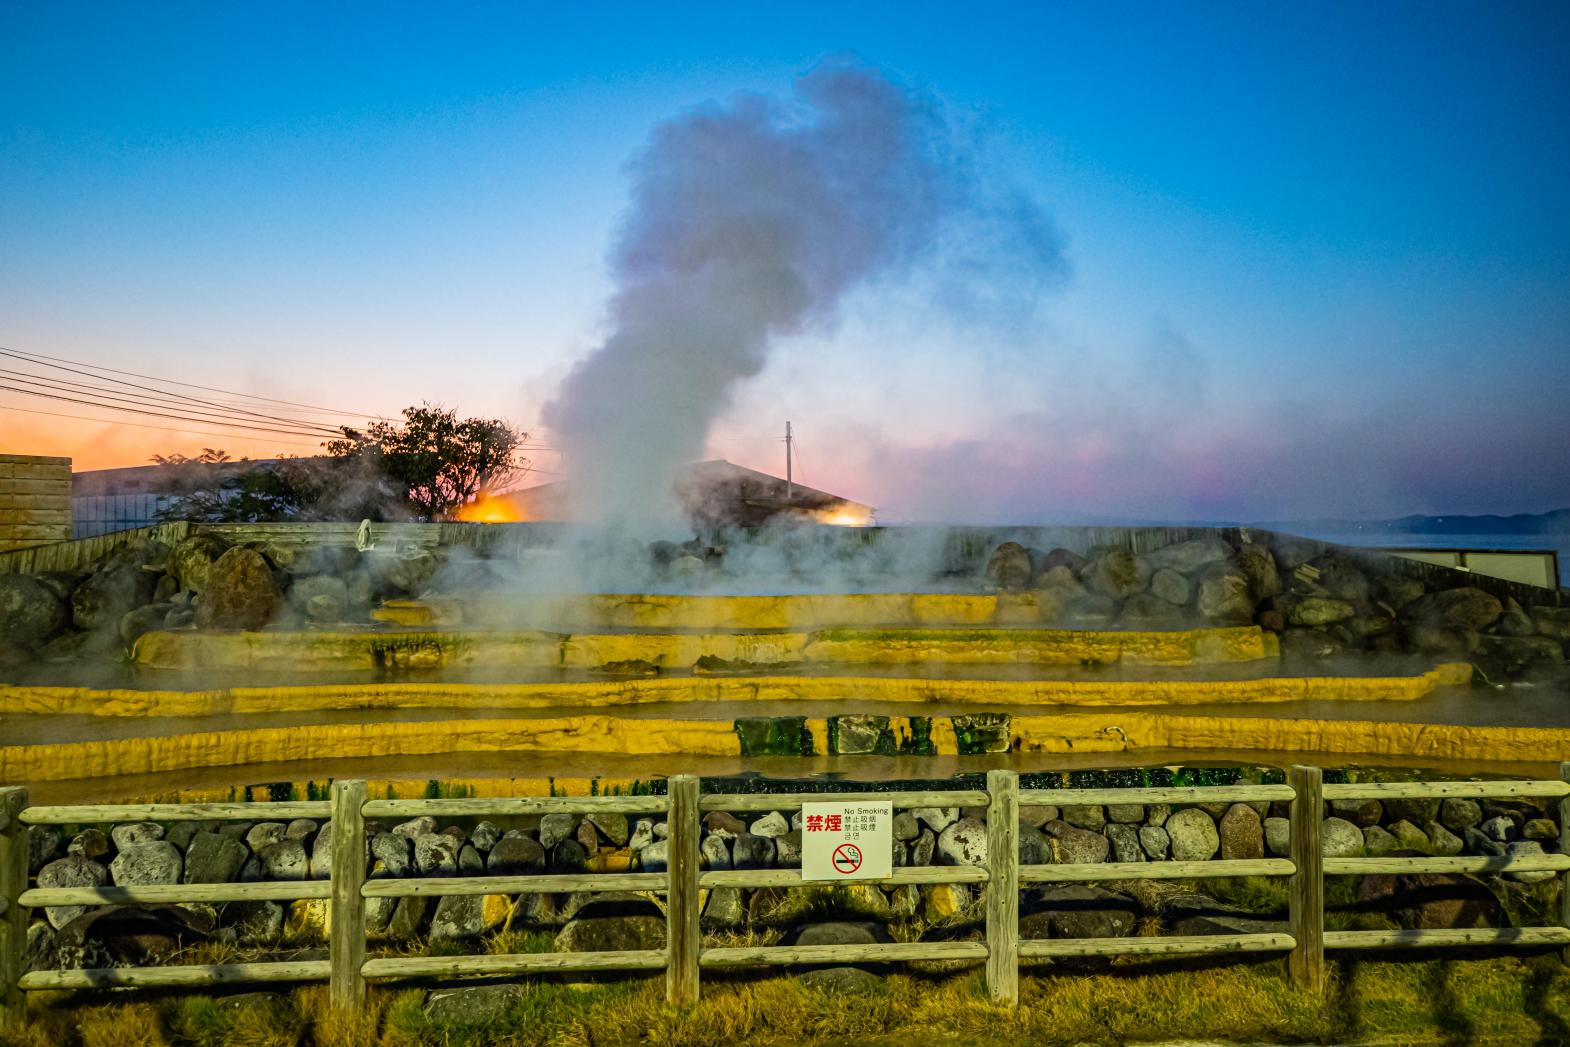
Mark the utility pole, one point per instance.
(790, 486)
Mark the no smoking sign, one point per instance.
(847, 841)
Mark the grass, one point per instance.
(1500, 999)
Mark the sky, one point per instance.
(1315, 258)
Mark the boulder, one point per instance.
(70, 871)
(1339, 838)
(714, 853)
(1528, 849)
(1076, 846)
(556, 827)
(1125, 843)
(30, 611)
(436, 854)
(1442, 841)
(1084, 816)
(1415, 811)
(842, 980)
(119, 584)
(1077, 911)
(1259, 567)
(472, 1004)
(89, 843)
(1010, 567)
(613, 925)
(1314, 612)
(1377, 842)
(749, 851)
(1155, 842)
(787, 850)
(1167, 584)
(211, 858)
(192, 559)
(141, 620)
(1188, 557)
(463, 916)
(1360, 813)
(1457, 610)
(611, 825)
(964, 843)
(1198, 914)
(1343, 581)
(655, 857)
(724, 907)
(392, 850)
(128, 834)
(1117, 575)
(43, 846)
(285, 860)
(1409, 837)
(1432, 901)
(1224, 595)
(1242, 834)
(773, 824)
(263, 834)
(1552, 622)
(320, 597)
(1035, 848)
(1309, 645)
(241, 592)
(1278, 837)
(515, 856)
(842, 932)
(925, 849)
(1194, 836)
(1148, 611)
(936, 818)
(142, 864)
(1459, 814)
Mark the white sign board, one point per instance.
(847, 841)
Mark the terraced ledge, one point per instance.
(1074, 732)
(349, 649)
(600, 694)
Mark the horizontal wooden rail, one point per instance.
(1249, 793)
(1155, 870)
(918, 874)
(1443, 790)
(1466, 863)
(388, 968)
(505, 806)
(793, 802)
(543, 884)
(883, 952)
(1173, 946)
(195, 975)
(166, 893)
(95, 814)
(1524, 936)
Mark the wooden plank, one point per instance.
(1519, 936)
(1155, 870)
(193, 976)
(682, 902)
(1160, 946)
(1436, 790)
(1461, 863)
(1249, 793)
(502, 806)
(346, 937)
(1307, 901)
(99, 814)
(511, 963)
(917, 874)
(1564, 848)
(160, 894)
(883, 952)
(1003, 887)
(542, 884)
(13, 923)
(793, 802)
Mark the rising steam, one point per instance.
(751, 221)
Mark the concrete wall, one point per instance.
(35, 500)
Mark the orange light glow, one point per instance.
(489, 509)
(843, 516)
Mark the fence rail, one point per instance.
(348, 970)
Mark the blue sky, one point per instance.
(1319, 257)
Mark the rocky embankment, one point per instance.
(209, 852)
(1321, 604)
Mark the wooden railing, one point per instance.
(348, 970)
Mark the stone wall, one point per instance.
(35, 500)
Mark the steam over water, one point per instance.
(750, 221)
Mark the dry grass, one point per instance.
(1507, 1000)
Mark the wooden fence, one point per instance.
(348, 970)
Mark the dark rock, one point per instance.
(1242, 833)
(1117, 575)
(192, 560)
(1188, 557)
(1196, 914)
(515, 856)
(1224, 595)
(1309, 645)
(840, 980)
(1084, 816)
(1456, 610)
(556, 827)
(30, 611)
(241, 592)
(139, 933)
(43, 845)
(1433, 901)
(1259, 567)
(569, 857)
(89, 843)
(841, 932)
(1125, 843)
(612, 925)
(320, 597)
(1343, 581)
(1516, 653)
(1170, 586)
(154, 862)
(1077, 911)
(70, 871)
(143, 620)
(1009, 567)
(611, 825)
(117, 586)
(1314, 612)
(1552, 622)
(472, 1004)
(750, 851)
(1149, 611)
(1034, 847)
(1073, 846)
(1359, 812)
(211, 858)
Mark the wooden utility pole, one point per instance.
(1307, 912)
(790, 482)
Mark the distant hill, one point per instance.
(1554, 522)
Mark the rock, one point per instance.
(129, 834)
(406, 919)
(844, 980)
(964, 843)
(587, 836)
(1034, 847)
(471, 864)
(241, 592)
(569, 856)
(1082, 816)
(1149, 612)
(1076, 846)
(1516, 653)
(1157, 813)
(463, 916)
(117, 586)
(1309, 645)
(1377, 842)
(1194, 836)
(1442, 841)
(320, 597)
(1009, 567)
(1061, 582)
(1360, 813)
(436, 854)
(211, 858)
(787, 850)
(484, 836)
(41, 951)
(1188, 557)
(191, 561)
(1259, 567)
(1166, 584)
(417, 827)
(70, 871)
(182, 833)
(943, 900)
(1456, 610)
(1278, 837)
(1409, 837)
(936, 818)
(472, 1004)
(141, 934)
(1499, 828)
(655, 857)
(774, 824)
(613, 826)
(556, 827)
(1339, 838)
(43, 845)
(1117, 575)
(89, 843)
(515, 856)
(392, 850)
(613, 925)
(322, 851)
(264, 834)
(1459, 814)
(925, 849)
(142, 864)
(1540, 829)
(642, 834)
(1090, 612)
(723, 823)
(1125, 843)
(1315, 612)
(1155, 842)
(1480, 843)
(1198, 914)
(1078, 911)
(1433, 901)
(1224, 595)
(1415, 811)
(1527, 848)
(1242, 834)
(905, 826)
(749, 851)
(714, 852)
(1343, 581)
(30, 612)
(842, 932)
(1552, 622)
(285, 860)
(1036, 817)
(724, 908)
(142, 620)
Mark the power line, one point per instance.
(144, 425)
(188, 385)
(155, 414)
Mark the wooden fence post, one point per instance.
(681, 900)
(13, 921)
(1564, 848)
(346, 939)
(1003, 886)
(1307, 917)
